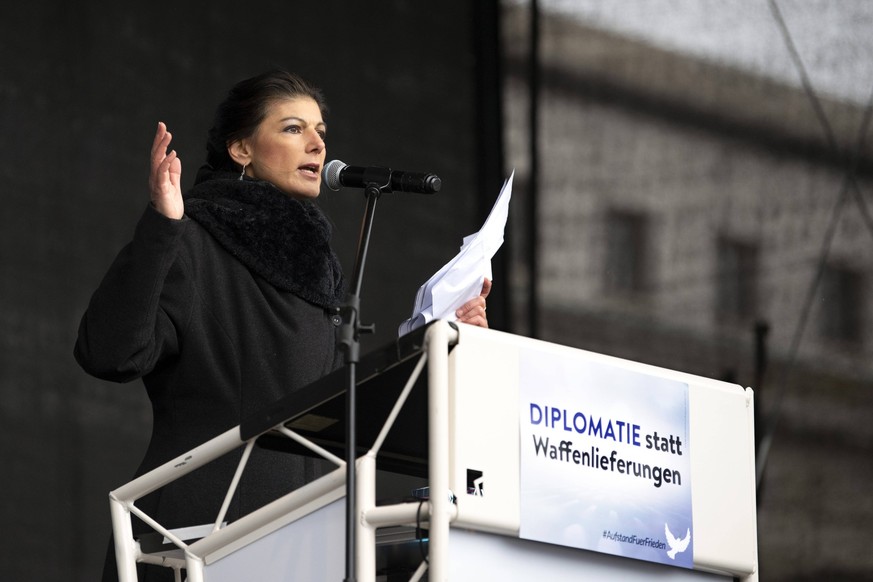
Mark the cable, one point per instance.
(850, 185)
(775, 413)
(822, 117)
(804, 77)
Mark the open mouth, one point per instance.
(312, 169)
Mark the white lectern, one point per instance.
(447, 403)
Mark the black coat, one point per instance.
(213, 339)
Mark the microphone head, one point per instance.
(331, 174)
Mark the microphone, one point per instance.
(336, 174)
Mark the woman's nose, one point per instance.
(316, 141)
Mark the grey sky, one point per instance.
(833, 37)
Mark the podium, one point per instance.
(462, 416)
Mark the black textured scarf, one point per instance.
(285, 241)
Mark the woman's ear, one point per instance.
(240, 152)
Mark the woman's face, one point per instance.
(288, 148)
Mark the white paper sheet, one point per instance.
(460, 280)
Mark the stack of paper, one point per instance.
(460, 280)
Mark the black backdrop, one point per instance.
(410, 85)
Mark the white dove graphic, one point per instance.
(676, 546)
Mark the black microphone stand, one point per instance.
(349, 341)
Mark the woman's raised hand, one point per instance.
(165, 178)
(473, 311)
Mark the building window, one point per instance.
(626, 253)
(841, 300)
(736, 282)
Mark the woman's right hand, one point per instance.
(165, 178)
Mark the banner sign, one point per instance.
(605, 459)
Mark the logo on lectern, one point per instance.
(475, 483)
(677, 546)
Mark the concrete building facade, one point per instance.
(683, 205)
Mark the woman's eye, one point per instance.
(293, 129)
(322, 134)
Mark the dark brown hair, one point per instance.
(245, 107)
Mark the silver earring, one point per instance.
(243, 173)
